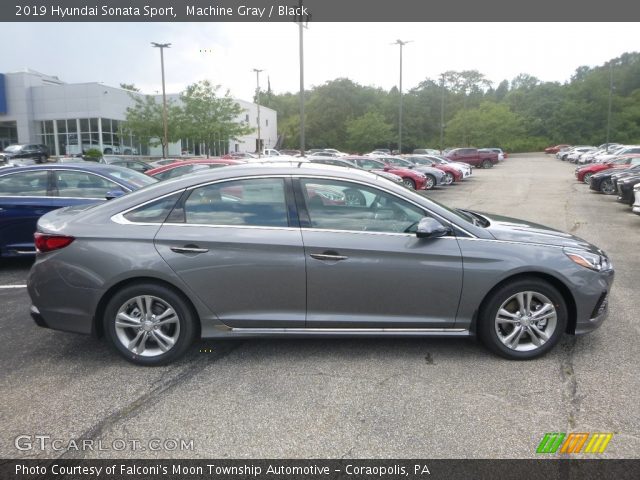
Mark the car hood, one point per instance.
(517, 230)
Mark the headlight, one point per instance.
(592, 261)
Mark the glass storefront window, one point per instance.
(84, 125)
(62, 126)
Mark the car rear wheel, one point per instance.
(41, 159)
(430, 182)
(108, 151)
(409, 183)
(523, 319)
(587, 178)
(149, 324)
(487, 164)
(607, 187)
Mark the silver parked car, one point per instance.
(303, 249)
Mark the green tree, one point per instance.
(490, 124)
(144, 120)
(207, 117)
(367, 131)
(129, 86)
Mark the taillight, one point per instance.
(46, 243)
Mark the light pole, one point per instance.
(259, 147)
(402, 44)
(165, 146)
(301, 28)
(442, 117)
(610, 98)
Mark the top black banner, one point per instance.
(317, 11)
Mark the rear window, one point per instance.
(153, 212)
(134, 178)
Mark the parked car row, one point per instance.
(618, 176)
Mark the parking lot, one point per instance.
(344, 398)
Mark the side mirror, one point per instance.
(111, 194)
(431, 228)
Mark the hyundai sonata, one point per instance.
(307, 250)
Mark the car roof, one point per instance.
(195, 161)
(82, 167)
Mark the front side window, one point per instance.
(339, 205)
(83, 185)
(24, 184)
(250, 202)
(370, 164)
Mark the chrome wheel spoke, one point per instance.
(168, 316)
(513, 338)
(537, 336)
(134, 342)
(505, 316)
(140, 306)
(164, 342)
(127, 321)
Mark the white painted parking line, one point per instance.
(12, 286)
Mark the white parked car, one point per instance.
(271, 152)
(636, 203)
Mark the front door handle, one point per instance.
(328, 256)
(189, 249)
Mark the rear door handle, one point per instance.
(328, 256)
(189, 249)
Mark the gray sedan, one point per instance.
(288, 249)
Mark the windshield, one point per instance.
(137, 179)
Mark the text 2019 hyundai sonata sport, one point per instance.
(305, 249)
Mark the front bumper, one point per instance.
(593, 303)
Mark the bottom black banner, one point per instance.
(263, 469)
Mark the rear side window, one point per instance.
(153, 212)
(76, 184)
(24, 184)
(250, 202)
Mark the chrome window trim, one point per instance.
(119, 217)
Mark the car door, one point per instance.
(24, 197)
(365, 269)
(237, 245)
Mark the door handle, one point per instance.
(189, 249)
(329, 256)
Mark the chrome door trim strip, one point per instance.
(435, 331)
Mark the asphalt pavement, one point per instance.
(341, 398)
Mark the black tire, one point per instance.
(587, 178)
(186, 323)
(487, 164)
(488, 331)
(409, 183)
(127, 152)
(431, 182)
(41, 159)
(607, 187)
(108, 151)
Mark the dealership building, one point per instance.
(71, 117)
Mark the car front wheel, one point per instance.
(149, 324)
(487, 164)
(448, 178)
(523, 319)
(409, 183)
(430, 182)
(587, 178)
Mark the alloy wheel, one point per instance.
(147, 326)
(587, 178)
(607, 187)
(526, 321)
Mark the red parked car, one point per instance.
(184, 167)
(453, 174)
(410, 178)
(583, 174)
(556, 148)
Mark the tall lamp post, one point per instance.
(259, 146)
(402, 44)
(165, 146)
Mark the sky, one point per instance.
(227, 53)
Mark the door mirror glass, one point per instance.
(111, 194)
(431, 228)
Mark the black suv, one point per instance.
(39, 153)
